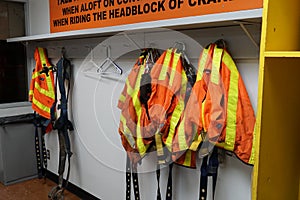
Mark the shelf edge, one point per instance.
(219, 17)
(282, 54)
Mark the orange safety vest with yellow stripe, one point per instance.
(130, 106)
(169, 84)
(42, 92)
(166, 103)
(237, 130)
(208, 85)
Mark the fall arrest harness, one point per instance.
(63, 126)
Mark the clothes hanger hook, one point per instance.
(221, 43)
(179, 43)
(63, 51)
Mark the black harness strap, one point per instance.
(128, 179)
(63, 126)
(169, 193)
(41, 155)
(158, 184)
(38, 153)
(209, 170)
(44, 153)
(131, 171)
(135, 184)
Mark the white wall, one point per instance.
(38, 17)
(99, 159)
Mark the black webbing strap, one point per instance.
(158, 184)
(62, 158)
(135, 184)
(169, 185)
(203, 179)
(131, 171)
(41, 156)
(128, 179)
(38, 153)
(210, 169)
(44, 153)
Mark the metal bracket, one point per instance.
(242, 25)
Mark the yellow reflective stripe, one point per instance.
(203, 115)
(188, 158)
(159, 146)
(173, 123)
(202, 63)
(40, 105)
(216, 63)
(164, 69)
(35, 75)
(122, 98)
(175, 118)
(253, 153)
(232, 102)
(138, 108)
(50, 92)
(50, 86)
(30, 92)
(43, 91)
(221, 145)
(181, 135)
(130, 90)
(126, 132)
(176, 58)
(195, 144)
(42, 56)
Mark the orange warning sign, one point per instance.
(66, 15)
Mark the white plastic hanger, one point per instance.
(107, 63)
(96, 71)
(91, 61)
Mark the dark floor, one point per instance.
(35, 189)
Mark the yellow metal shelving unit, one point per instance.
(277, 171)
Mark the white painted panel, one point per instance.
(13, 109)
(38, 17)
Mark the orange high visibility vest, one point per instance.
(130, 106)
(42, 93)
(208, 85)
(166, 84)
(169, 83)
(232, 112)
(168, 91)
(239, 131)
(166, 103)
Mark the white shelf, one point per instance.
(204, 19)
